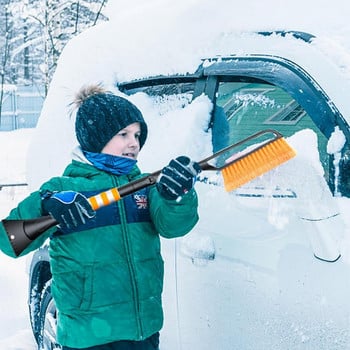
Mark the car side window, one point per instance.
(165, 96)
(253, 106)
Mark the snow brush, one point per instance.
(238, 163)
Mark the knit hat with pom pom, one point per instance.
(101, 115)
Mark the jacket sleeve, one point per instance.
(29, 208)
(171, 218)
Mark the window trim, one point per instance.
(285, 74)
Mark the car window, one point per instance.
(242, 107)
(253, 106)
(165, 96)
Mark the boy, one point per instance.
(107, 270)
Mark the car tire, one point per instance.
(47, 320)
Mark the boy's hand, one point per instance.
(177, 178)
(69, 208)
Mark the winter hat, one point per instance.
(101, 115)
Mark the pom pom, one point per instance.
(86, 92)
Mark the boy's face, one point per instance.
(126, 143)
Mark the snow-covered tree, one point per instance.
(5, 35)
(34, 32)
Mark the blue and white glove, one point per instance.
(69, 208)
(177, 178)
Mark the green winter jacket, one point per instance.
(108, 278)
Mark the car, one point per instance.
(265, 267)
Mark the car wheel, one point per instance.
(48, 321)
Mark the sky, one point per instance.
(169, 28)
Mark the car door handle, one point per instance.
(198, 248)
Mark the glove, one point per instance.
(177, 178)
(70, 209)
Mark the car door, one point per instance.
(246, 276)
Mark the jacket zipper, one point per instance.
(130, 262)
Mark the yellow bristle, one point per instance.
(256, 163)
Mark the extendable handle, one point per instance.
(115, 194)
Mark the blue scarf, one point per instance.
(112, 164)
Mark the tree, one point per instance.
(56, 22)
(34, 33)
(6, 30)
